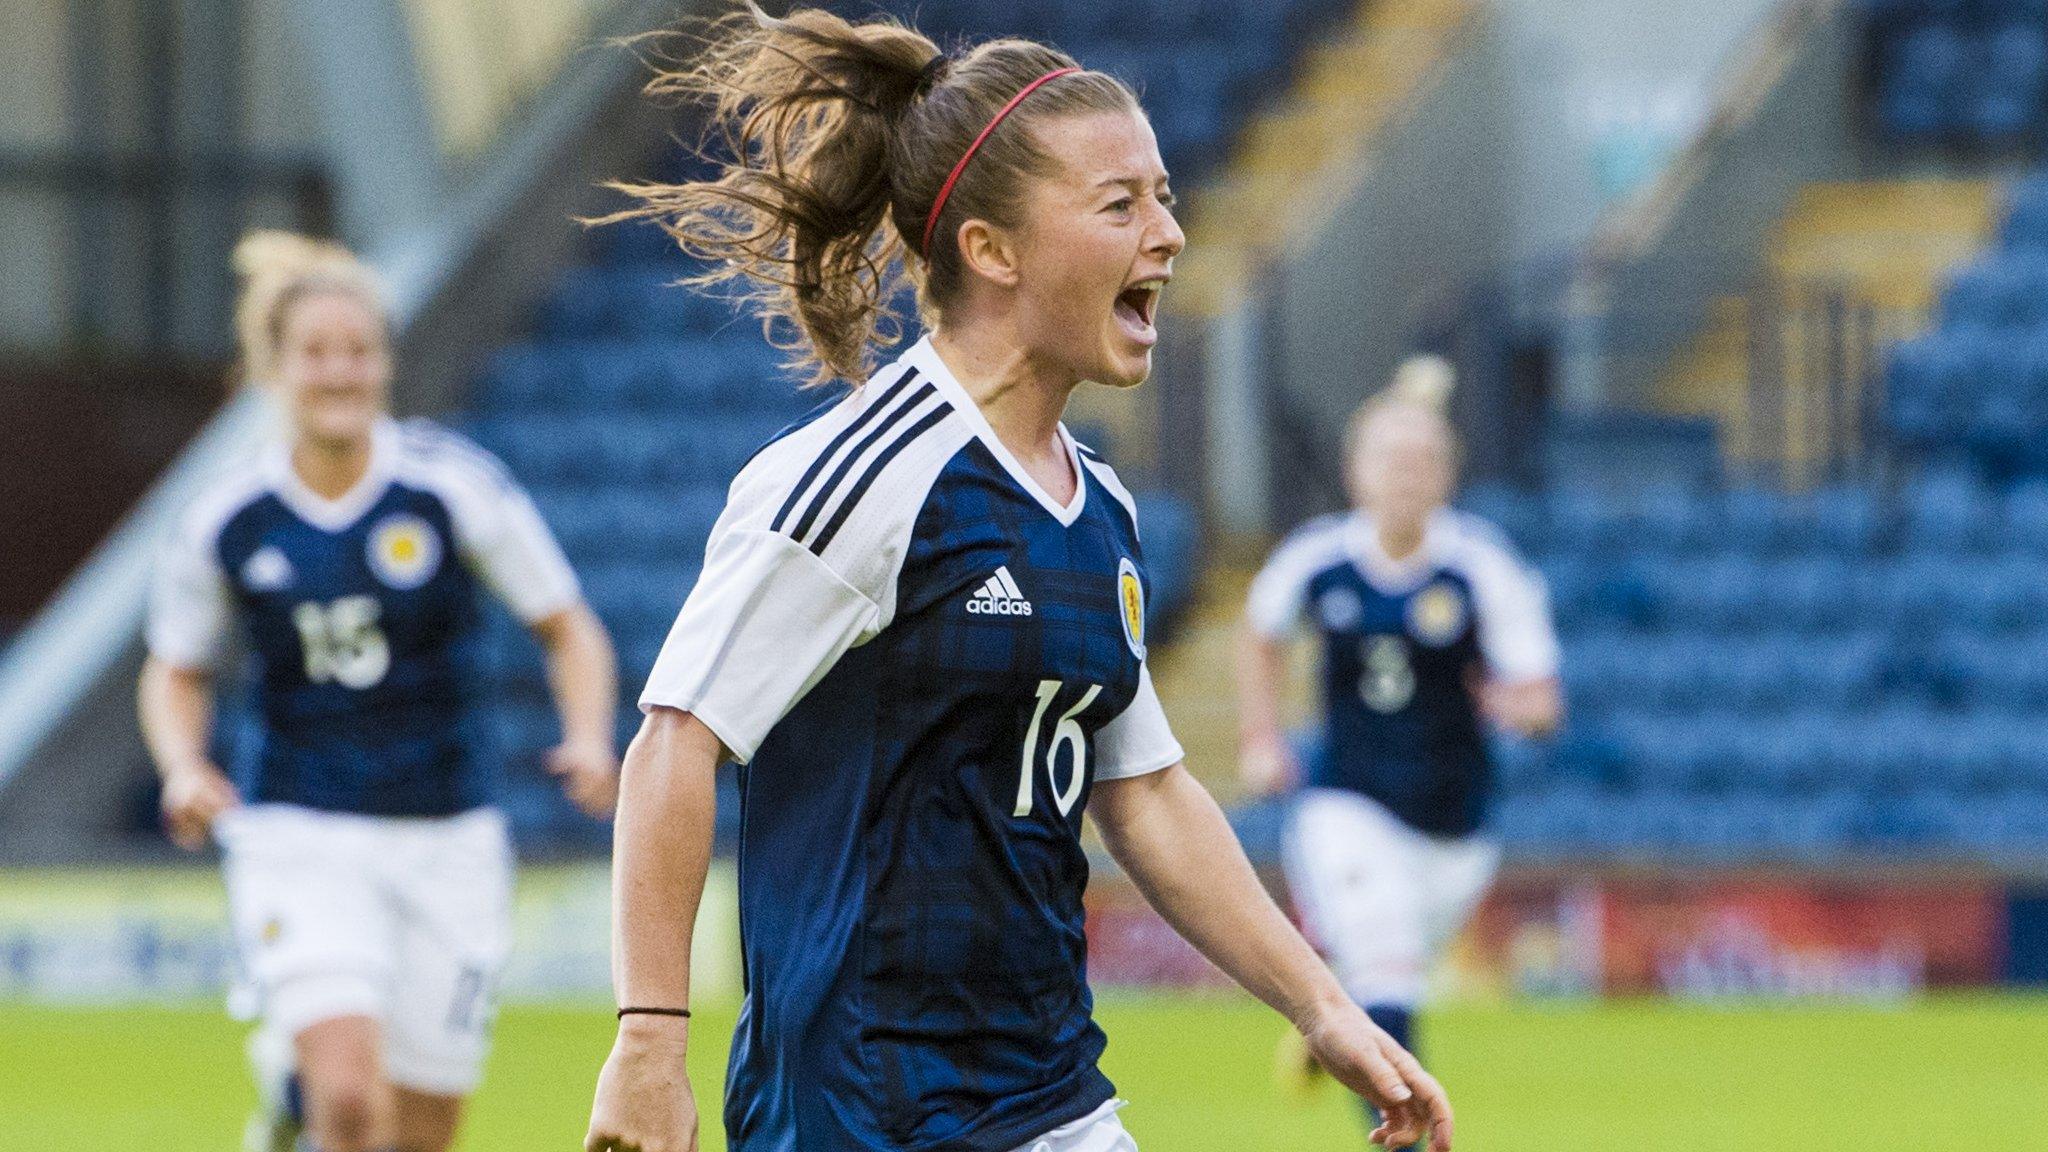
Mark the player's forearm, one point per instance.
(1171, 838)
(1260, 669)
(175, 706)
(1531, 708)
(583, 674)
(661, 852)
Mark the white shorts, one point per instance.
(1098, 1131)
(1379, 898)
(405, 920)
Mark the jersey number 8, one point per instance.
(342, 642)
(1389, 681)
(1065, 731)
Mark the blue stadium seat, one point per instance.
(1921, 78)
(2024, 522)
(1999, 291)
(1804, 594)
(1587, 522)
(1725, 593)
(636, 300)
(1574, 590)
(1171, 535)
(640, 243)
(2025, 226)
(1670, 520)
(1519, 515)
(1846, 520)
(1950, 511)
(2004, 94)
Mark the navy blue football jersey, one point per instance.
(924, 664)
(359, 616)
(1405, 647)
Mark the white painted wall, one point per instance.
(1599, 92)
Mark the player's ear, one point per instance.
(990, 252)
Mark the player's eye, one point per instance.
(1168, 200)
(1122, 205)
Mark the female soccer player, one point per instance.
(921, 631)
(1430, 626)
(369, 878)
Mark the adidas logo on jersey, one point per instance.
(267, 570)
(999, 597)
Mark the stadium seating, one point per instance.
(1974, 389)
(1197, 64)
(1756, 675)
(633, 402)
(1960, 71)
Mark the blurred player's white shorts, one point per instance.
(1379, 898)
(407, 920)
(1099, 1131)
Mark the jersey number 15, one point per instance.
(342, 642)
(1065, 731)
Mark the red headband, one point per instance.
(946, 189)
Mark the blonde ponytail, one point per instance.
(278, 269)
(1422, 383)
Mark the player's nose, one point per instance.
(1166, 239)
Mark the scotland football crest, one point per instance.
(1130, 594)
(405, 551)
(1436, 615)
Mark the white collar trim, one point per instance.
(926, 360)
(338, 514)
(1362, 543)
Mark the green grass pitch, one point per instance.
(1947, 1073)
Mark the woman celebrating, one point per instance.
(921, 630)
(1429, 626)
(369, 879)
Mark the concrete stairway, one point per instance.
(1349, 87)
(1884, 245)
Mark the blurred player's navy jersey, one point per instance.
(924, 663)
(358, 615)
(1405, 647)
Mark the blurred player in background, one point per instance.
(369, 877)
(1430, 627)
(920, 629)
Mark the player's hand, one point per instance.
(1268, 765)
(192, 799)
(589, 772)
(644, 1102)
(1529, 708)
(1362, 1057)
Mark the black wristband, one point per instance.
(682, 1012)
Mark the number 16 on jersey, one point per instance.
(1065, 731)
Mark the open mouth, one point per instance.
(1137, 305)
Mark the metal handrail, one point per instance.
(1635, 227)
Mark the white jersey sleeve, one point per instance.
(499, 533)
(1515, 631)
(1274, 606)
(191, 606)
(803, 564)
(1139, 740)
